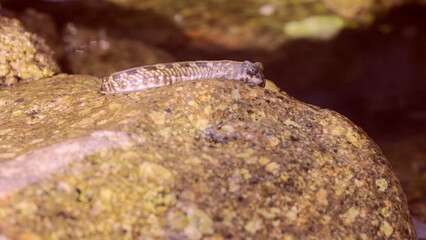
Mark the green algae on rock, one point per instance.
(315, 27)
(210, 159)
(23, 56)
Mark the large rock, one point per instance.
(210, 159)
(407, 155)
(24, 56)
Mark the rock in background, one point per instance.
(23, 56)
(211, 159)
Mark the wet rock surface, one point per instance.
(23, 56)
(210, 159)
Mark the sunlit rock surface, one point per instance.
(210, 159)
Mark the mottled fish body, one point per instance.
(158, 75)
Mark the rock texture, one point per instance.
(412, 171)
(23, 56)
(210, 159)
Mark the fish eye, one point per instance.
(251, 70)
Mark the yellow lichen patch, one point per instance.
(245, 154)
(350, 215)
(322, 197)
(288, 236)
(292, 123)
(177, 220)
(17, 113)
(269, 213)
(264, 160)
(325, 219)
(354, 138)
(273, 141)
(291, 214)
(222, 106)
(254, 225)
(271, 86)
(190, 221)
(105, 195)
(7, 155)
(283, 177)
(158, 118)
(358, 183)
(321, 158)
(385, 212)
(235, 107)
(235, 182)
(4, 69)
(236, 94)
(349, 237)
(113, 106)
(64, 186)
(201, 123)
(338, 131)
(276, 223)
(30, 236)
(155, 173)
(157, 201)
(386, 229)
(207, 110)
(340, 187)
(165, 133)
(272, 167)
(194, 161)
(193, 103)
(375, 222)
(5, 131)
(187, 196)
(245, 173)
(208, 158)
(381, 184)
(26, 207)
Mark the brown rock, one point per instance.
(407, 154)
(210, 159)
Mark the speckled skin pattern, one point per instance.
(153, 76)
